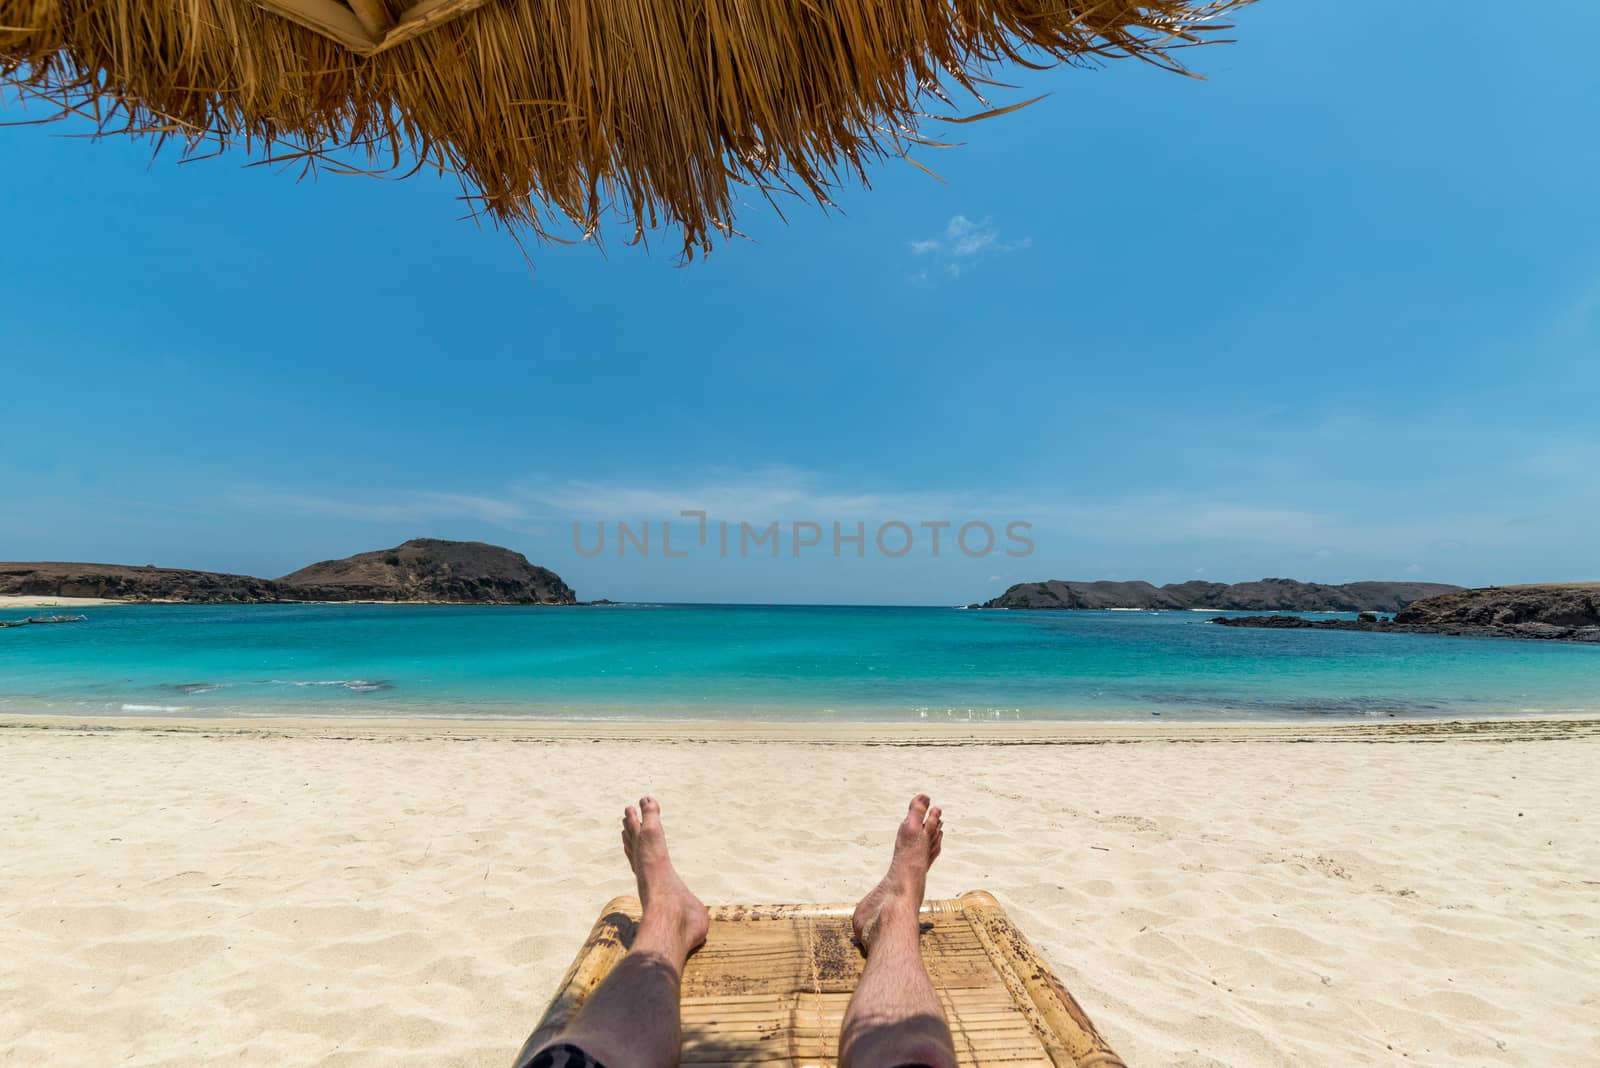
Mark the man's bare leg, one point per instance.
(631, 1020)
(894, 1017)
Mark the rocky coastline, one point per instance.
(1567, 613)
(1266, 595)
(423, 570)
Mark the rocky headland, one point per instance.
(424, 570)
(118, 582)
(428, 569)
(1555, 612)
(1267, 595)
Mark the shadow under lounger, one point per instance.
(770, 985)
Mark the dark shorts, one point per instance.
(567, 1056)
(563, 1056)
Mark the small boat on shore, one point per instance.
(31, 620)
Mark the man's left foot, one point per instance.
(671, 911)
(917, 842)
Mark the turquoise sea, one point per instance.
(763, 662)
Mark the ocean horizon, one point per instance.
(646, 661)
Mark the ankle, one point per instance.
(900, 911)
(663, 941)
(897, 923)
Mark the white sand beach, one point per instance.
(17, 600)
(363, 893)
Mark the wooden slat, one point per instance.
(329, 18)
(773, 981)
(608, 941)
(426, 15)
(1064, 1018)
(365, 26)
(374, 17)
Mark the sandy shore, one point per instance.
(17, 600)
(14, 600)
(355, 892)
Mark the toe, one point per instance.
(650, 809)
(630, 820)
(919, 808)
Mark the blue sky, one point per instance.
(1331, 314)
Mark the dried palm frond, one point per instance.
(657, 109)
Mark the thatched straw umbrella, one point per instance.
(658, 109)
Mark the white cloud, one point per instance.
(1184, 519)
(759, 495)
(965, 241)
(1570, 463)
(765, 494)
(1579, 319)
(968, 238)
(1061, 522)
(379, 507)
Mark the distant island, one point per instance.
(1554, 612)
(1267, 595)
(423, 570)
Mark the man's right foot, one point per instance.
(671, 910)
(899, 895)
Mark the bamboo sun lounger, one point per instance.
(769, 987)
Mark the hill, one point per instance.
(1570, 607)
(423, 570)
(120, 582)
(1555, 612)
(428, 569)
(1267, 595)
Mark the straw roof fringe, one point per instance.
(549, 109)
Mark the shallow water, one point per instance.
(765, 662)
